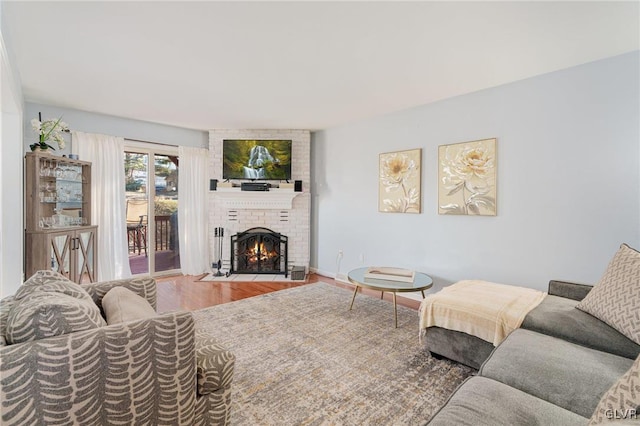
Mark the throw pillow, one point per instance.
(51, 282)
(47, 275)
(122, 305)
(41, 315)
(615, 300)
(622, 401)
(6, 304)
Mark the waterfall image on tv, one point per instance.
(256, 159)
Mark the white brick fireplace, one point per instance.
(279, 210)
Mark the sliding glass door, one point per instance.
(152, 209)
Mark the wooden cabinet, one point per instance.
(59, 234)
(71, 252)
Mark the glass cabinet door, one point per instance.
(84, 248)
(61, 247)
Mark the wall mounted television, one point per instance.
(256, 159)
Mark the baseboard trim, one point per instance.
(342, 278)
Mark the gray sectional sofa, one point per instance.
(554, 370)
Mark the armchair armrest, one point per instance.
(144, 287)
(137, 372)
(214, 364)
(568, 289)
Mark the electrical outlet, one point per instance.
(340, 253)
(361, 257)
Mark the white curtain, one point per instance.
(193, 220)
(108, 206)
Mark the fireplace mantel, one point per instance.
(275, 198)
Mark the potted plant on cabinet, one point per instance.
(48, 130)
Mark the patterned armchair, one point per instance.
(157, 370)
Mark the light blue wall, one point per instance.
(568, 181)
(90, 122)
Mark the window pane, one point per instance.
(167, 254)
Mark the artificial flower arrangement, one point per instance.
(48, 130)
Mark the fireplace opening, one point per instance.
(259, 251)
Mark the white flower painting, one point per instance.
(467, 178)
(399, 182)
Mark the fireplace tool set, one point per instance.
(218, 235)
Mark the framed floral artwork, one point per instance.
(399, 182)
(467, 178)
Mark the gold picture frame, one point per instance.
(399, 182)
(467, 178)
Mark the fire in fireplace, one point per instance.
(259, 251)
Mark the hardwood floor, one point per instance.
(184, 292)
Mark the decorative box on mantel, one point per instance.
(275, 198)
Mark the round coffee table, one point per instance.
(421, 282)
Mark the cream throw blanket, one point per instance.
(486, 310)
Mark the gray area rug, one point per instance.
(302, 358)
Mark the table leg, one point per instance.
(381, 295)
(395, 309)
(422, 291)
(355, 291)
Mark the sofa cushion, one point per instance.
(558, 317)
(622, 401)
(616, 298)
(568, 375)
(122, 305)
(43, 314)
(482, 401)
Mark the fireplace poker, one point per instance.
(218, 234)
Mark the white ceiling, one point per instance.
(304, 65)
